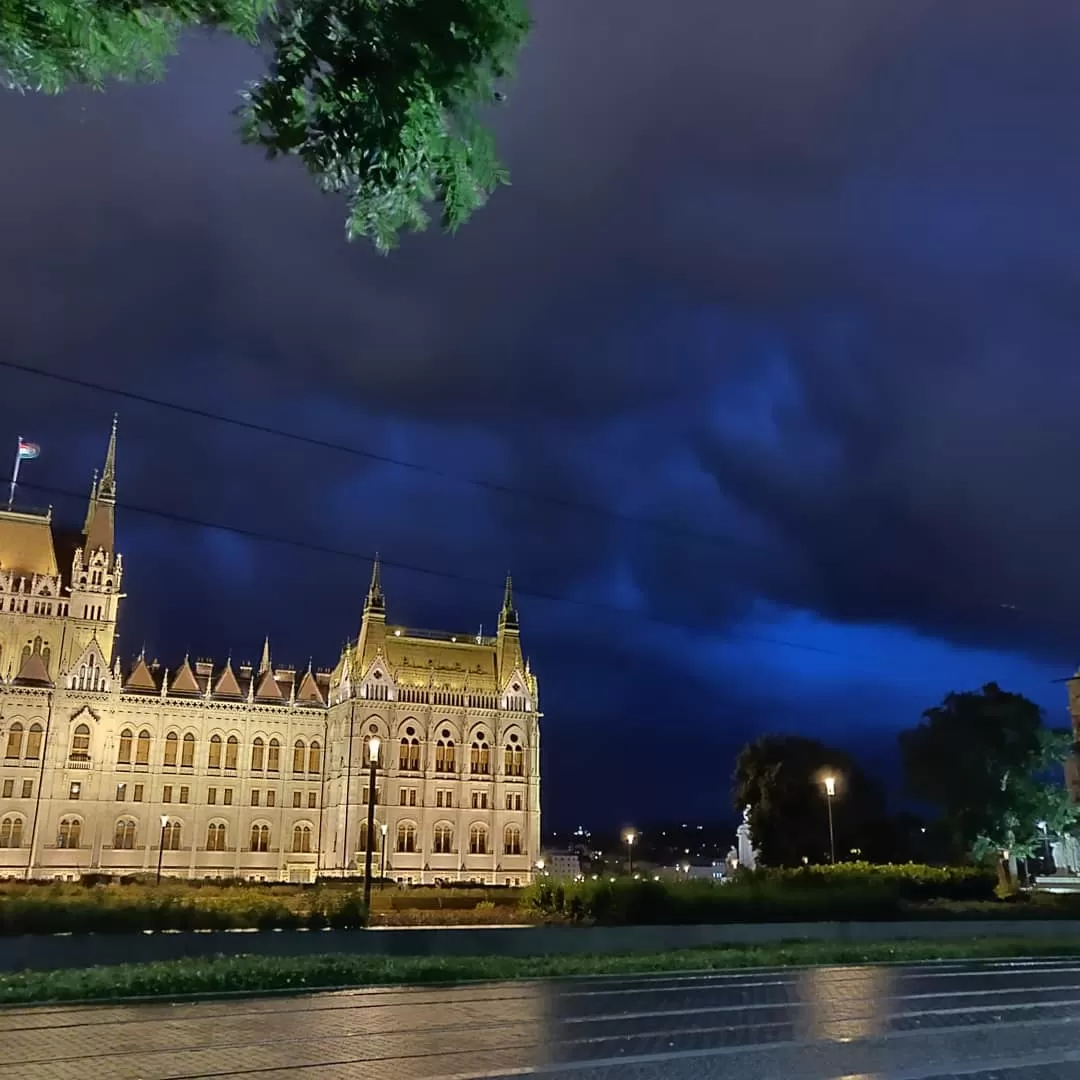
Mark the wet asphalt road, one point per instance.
(1010, 1020)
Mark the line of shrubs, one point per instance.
(103, 909)
(851, 891)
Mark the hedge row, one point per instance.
(72, 908)
(854, 891)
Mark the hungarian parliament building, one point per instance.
(213, 770)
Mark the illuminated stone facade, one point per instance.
(211, 770)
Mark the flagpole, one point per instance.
(15, 472)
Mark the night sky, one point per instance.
(797, 282)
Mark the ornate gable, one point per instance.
(90, 671)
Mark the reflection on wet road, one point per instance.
(1009, 1020)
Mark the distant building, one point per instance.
(565, 865)
(218, 770)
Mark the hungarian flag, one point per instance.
(28, 450)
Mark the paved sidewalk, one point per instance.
(1013, 1020)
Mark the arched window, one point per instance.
(444, 838)
(260, 837)
(232, 751)
(444, 755)
(362, 845)
(299, 756)
(46, 652)
(406, 837)
(124, 835)
(123, 755)
(478, 840)
(33, 742)
(213, 758)
(301, 839)
(514, 760)
(80, 743)
(11, 831)
(314, 757)
(70, 833)
(142, 748)
(24, 656)
(172, 748)
(187, 751)
(512, 840)
(481, 757)
(14, 741)
(409, 756)
(273, 756)
(258, 751)
(215, 836)
(170, 836)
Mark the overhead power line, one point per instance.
(411, 568)
(493, 486)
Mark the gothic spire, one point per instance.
(107, 486)
(375, 604)
(99, 526)
(508, 617)
(264, 663)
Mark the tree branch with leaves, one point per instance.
(379, 99)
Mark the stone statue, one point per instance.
(744, 843)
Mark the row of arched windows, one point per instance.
(445, 759)
(443, 839)
(125, 836)
(23, 743)
(181, 751)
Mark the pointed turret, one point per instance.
(508, 617)
(375, 604)
(100, 528)
(508, 639)
(264, 663)
(106, 491)
(373, 624)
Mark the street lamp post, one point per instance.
(830, 792)
(161, 846)
(373, 758)
(630, 836)
(383, 828)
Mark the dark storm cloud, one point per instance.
(800, 277)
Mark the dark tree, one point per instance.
(781, 779)
(377, 98)
(985, 762)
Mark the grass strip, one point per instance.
(254, 975)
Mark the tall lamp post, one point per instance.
(161, 846)
(373, 759)
(830, 793)
(630, 836)
(383, 828)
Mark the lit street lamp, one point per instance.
(161, 846)
(630, 836)
(373, 758)
(830, 792)
(383, 828)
